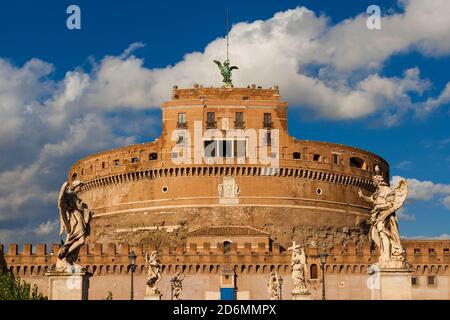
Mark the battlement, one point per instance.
(252, 92)
(111, 258)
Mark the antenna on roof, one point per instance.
(228, 31)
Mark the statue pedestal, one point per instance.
(68, 285)
(301, 296)
(152, 297)
(390, 284)
(151, 294)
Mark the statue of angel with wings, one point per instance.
(384, 229)
(153, 272)
(225, 70)
(74, 219)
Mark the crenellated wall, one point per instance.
(346, 267)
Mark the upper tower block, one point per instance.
(225, 108)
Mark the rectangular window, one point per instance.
(316, 157)
(182, 118)
(240, 148)
(414, 281)
(135, 160)
(267, 120)
(211, 116)
(103, 165)
(153, 156)
(335, 158)
(431, 251)
(446, 251)
(431, 280)
(225, 148)
(416, 251)
(116, 162)
(210, 149)
(268, 138)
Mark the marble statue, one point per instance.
(177, 285)
(74, 219)
(225, 70)
(274, 286)
(153, 273)
(384, 228)
(298, 268)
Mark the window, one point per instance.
(313, 272)
(431, 251)
(268, 138)
(103, 165)
(134, 160)
(239, 120)
(335, 158)
(240, 147)
(267, 120)
(153, 156)
(416, 251)
(182, 117)
(446, 251)
(116, 162)
(316, 157)
(210, 148)
(226, 246)
(211, 120)
(431, 280)
(296, 155)
(414, 281)
(357, 163)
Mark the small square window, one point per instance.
(135, 160)
(153, 156)
(431, 280)
(414, 281)
(417, 251)
(431, 251)
(296, 155)
(116, 162)
(316, 157)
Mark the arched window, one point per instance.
(313, 271)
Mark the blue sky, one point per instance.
(380, 90)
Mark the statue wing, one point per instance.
(233, 68)
(62, 205)
(219, 64)
(400, 194)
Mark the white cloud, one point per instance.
(425, 190)
(47, 228)
(443, 236)
(403, 215)
(335, 71)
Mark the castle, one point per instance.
(221, 194)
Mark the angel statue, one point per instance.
(384, 229)
(153, 273)
(177, 285)
(274, 286)
(298, 268)
(74, 218)
(225, 70)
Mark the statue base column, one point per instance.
(301, 296)
(151, 294)
(68, 285)
(390, 284)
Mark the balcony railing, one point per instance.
(239, 124)
(182, 125)
(211, 124)
(267, 125)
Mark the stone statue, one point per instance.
(74, 218)
(177, 285)
(153, 273)
(384, 229)
(225, 70)
(274, 286)
(298, 268)
(220, 190)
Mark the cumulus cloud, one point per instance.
(334, 71)
(402, 214)
(425, 190)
